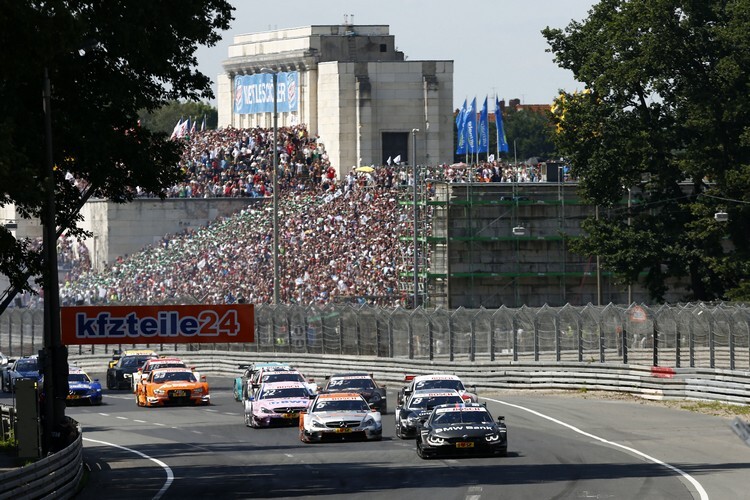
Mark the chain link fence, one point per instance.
(684, 335)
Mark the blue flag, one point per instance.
(502, 143)
(460, 135)
(471, 128)
(484, 130)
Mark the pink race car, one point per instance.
(276, 404)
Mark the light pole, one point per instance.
(630, 286)
(53, 352)
(275, 76)
(416, 218)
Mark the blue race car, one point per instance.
(25, 367)
(82, 389)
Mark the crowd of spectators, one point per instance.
(338, 237)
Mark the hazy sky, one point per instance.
(496, 45)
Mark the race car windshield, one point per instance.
(359, 384)
(283, 377)
(463, 417)
(163, 365)
(419, 402)
(291, 392)
(132, 361)
(78, 377)
(174, 377)
(341, 405)
(439, 384)
(26, 366)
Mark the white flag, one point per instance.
(176, 129)
(491, 158)
(397, 160)
(388, 161)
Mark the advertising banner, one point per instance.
(254, 93)
(172, 324)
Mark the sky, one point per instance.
(496, 45)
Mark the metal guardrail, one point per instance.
(646, 381)
(55, 476)
(687, 335)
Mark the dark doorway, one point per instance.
(395, 144)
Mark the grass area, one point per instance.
(715, 408)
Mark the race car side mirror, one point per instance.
(501, 420)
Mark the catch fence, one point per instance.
(695, 335)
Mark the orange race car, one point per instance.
(172, 387)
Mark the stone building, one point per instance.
(349, 85)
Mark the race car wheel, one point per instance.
(110, 384)
(248, 420)
(304, 438)
(6, 386)
(420, 451)
(398, 431)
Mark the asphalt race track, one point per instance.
(559, 447)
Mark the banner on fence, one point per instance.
(169, 324)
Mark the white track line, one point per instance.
(701, 492)
(170, 475)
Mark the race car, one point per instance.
(361, 383)
(117, 354)
(276, 403)
(243, 385)
(25, 367)
(419, 406)
(462, 429)
(435, 381)
(120, 376)
(154, 363)
(172, 387)
(81, 389)
(339, 416)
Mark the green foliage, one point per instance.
(165, 118)
(532, 132)
(666, 112)
(107, 62)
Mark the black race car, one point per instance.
(361, 383)
(435, 381)
(466, 429)
(120, 376)
(419, 406)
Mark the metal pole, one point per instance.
(275, 192)
(54, 356)
(416, 214)
(598, 272)
(630, 286)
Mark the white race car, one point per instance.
(339, 416)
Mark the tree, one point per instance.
(106, 61)
(532, 133)
(665, 112)
(165, 118)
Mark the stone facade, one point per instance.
(356, 91)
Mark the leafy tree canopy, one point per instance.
(106, 61)
(666, 112)
(165, 118)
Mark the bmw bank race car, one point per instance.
(276, 403)
(25, 367)
(339, 416)
(464, 429)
